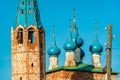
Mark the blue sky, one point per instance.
(58, 13)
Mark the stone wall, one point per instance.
(76, 75)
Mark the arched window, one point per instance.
(31, 35)
(20, 36)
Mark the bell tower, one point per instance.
(28, 43)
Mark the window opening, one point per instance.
(29, 2)
(22, 12)
(20, 36)
(22, 2)
(30, 10)
(32, 65)
(31, 35)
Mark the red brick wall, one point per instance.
(75, 75)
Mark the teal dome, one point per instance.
(69, 45)
(76, 38)
(96, 48)
(79, 41)
(82, 54)
(53, 51)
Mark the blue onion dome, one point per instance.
(53, 50)
(79, 41)
(69, 45)
(96, 47)
(82, 54)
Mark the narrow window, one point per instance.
(31, 35)
(29, 2)
(20, 36)
(22, 2)
(20, 78)
(32, 65)
(22, 12)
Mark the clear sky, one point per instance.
(58, 13)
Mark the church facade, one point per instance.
(28, 50)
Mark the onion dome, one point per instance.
(79, 41)
(96, 47)
(53, 50)
(75, 35)
(82, 54)
(69, 45)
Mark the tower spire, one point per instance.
(74, 12)
(96, 32)
(28, 13)
(53, 35)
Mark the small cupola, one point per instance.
(96, 47)
(69, 45)
(53, 50)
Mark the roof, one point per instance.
(80, 67)
(28, 13)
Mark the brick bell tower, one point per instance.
(28, 43)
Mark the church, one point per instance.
(29, 50)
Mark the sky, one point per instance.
(58, 13)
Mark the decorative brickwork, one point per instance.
(76, 75)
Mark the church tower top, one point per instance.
(28, 13)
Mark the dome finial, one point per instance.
(74, 12)
(71, 28)
(96, 31)
(53, 35)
